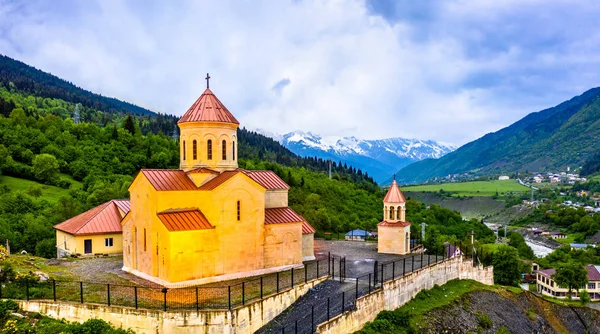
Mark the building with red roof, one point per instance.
(96, 231)
(394, 231)
(545, 284)
(210, 220)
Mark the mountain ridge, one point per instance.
(555, 137)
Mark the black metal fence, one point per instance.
(188, 298)
(370, 282)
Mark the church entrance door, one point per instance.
(87, 245)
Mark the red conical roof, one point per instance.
(394, 195)
(208, 108)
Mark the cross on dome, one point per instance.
(207, 80)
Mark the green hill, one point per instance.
(565, 135)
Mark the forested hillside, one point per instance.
(565, 135)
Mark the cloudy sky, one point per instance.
(444, 70)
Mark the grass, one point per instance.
(570, 239)
(595, 178)
(475, 188)
(26, 263)
(50, 193)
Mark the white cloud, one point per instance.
(469, 68)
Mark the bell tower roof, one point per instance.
(208, 108)
(394, 195)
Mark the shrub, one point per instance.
(46, 248)
(584, 297)
(503, 330)
(484, 320)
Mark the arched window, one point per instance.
(209, 149)
(239, 214)
(391, 212)
(184, 150)
(224, 149)
(233, 149)
(398, 213)
(144, 240)
(194, 150)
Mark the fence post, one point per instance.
(356, 295)
(197, 301)
(382, 279)
(413, 263)
(421, 260)
(229, 295)
(340, 272)
(317, 268)
(292, 270)
(343, 300)
(261, 287)
(393, 269)
(164, 290)
(135, 296)
(108, 294)
(332, 268)
(375, 265)
(277, 282)
(369, 283)
(327, 308)
(312, 318)
(305, 274)
(329, 263)
(81, 291)
(27, 289)
(296, 327)
(243, 293)
(403, 266)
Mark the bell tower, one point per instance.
(394, 204)
(208, 135)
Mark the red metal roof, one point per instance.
(176, 220)
(208, 108)
(124, 205)
(392, 224)
(167, 179)
(203, 170)
(267, 179)
(282, 216)
(219, 180)
(394, 195)
(103, 219)
(307, 228)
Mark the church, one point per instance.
(394, 231)
(210, 220)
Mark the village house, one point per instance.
(504, 178)
(94, 232)
(357, 235)
(558, 235)
(547, 286)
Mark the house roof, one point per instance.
(358, 233)
(593, 272)
(103, 219)
(208, 108)
(394, 195)
(190, 219)
(203, 170)
(282, 216)
(219, 180)
(124, 205)
(394, 224)
(579, 245)
(169, 179)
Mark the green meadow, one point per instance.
(475, 188)
(50, 193)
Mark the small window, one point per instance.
(224, 150)
(398, 213)
(184, 150)
(591, 286)
(239, 215)
(194, 150)
(144, 240)
(209, 149)
(108, 242)
(233, 150)
(391, 212)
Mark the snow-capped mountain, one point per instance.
(380, 158)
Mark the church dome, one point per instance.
(208, 108)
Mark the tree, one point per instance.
(584, 297)
(571, 275)
(45, 167)
(506, 266)
(4, 154)
(129, 124)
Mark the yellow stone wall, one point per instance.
(202, 132)
(392, 240)
(308, 247)
(276, 198)
(75, 244)
(283, 244)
